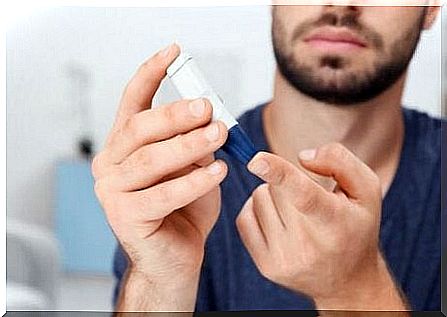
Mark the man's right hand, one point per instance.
(158, 183)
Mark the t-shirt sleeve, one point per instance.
(119, 268)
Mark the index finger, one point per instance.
(142, 87)
(355, 178)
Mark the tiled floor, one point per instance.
(82, 292)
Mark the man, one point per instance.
(277, 234)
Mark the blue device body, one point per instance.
(239, 145)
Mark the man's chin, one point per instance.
(329, 78)
(333, 89)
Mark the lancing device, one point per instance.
(191, 84)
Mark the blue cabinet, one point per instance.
(87, 242)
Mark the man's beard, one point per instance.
(352, 88)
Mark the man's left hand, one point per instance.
(317, 242)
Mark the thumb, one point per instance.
(271, 168)
(353, 176)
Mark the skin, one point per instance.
(349, 76)
(157, 181)
(161, 208)
(337, 229)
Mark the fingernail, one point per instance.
(307, 155)
(212, 132)
(215, 168)
(197, 107)
(165, 52)
(259, 167)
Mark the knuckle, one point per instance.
(99, 188)
(96, 166)
(174, 147)
(169, 114)
(102, 189)
(196, 181)
(307, 204)
(279, 176)
(143, 203)
(112, 204)
(188, 144)
(134, 127)
(104, 195)
(143, 157)
(162, 195)
(148, 205)
(306, 200)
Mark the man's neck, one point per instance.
(372, 130)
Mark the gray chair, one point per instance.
(33, 267)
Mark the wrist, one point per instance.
(170, 275)
(166, 281)
(141, 292)
(372, 288)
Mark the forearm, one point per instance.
(141, 294)
(375, 292)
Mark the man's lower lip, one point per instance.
(334, 45)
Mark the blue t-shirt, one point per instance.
(410, 234)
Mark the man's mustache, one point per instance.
(349, 21)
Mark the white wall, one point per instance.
(423, 89)
(109, 43)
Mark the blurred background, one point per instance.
(66, 69)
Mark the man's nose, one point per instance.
(347, 8)
(346, 3)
